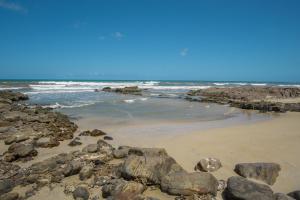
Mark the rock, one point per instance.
(148, 165)
(107, 138)
(6, 185)
(10, 196)
(75, 142)
(121, 152)
(280, 196)
(81, 193)
(101, 180)
(69, 189)
(105, 148)
(47, 142)
(208, 165)
(120, 189)
(18, 150)
(133, 90)
(21, 138)
(295, 194)
(93, 133)
(72, 168)
(13, 96)
(267, 172)
(183, 183)
(222, 185)
(91, 148)
(86, 172)
(10, 140)
(239, 188)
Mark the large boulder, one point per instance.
(208, 165)
(6, 185)
(183, 183)
(18, 150)
(47, 142)
(148, 165)
(266, 172)
(239, 188)
(121, 189)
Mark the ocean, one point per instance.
(163, 101)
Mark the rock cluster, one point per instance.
(26, 128)
(250, 97)
(133, 90)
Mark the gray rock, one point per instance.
(107, 138)
(21, 138)
(183, 183)
(6, 185)
(267, 172)
(86, 172)
(239, 188)
(75, 142)
(295, 194)
(18, 150)
(280, 196)
(9, 140)
(91, 148)
(47, 142)
(120, 153)
(81, 192)
(149, 165)
(72, 168)
(208, 165)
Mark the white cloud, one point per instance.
(12, 6)
(184, 52)
(118, 35)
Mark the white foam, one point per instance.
(76, 105)
(289, 85)
(143, 99)
(11, 88)
(129, 100)
(258, 84)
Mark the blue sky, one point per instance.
(255, 40)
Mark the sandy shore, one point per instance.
(275, 140)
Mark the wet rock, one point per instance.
(93, 133)
(121, 189)
(149, 165)
(91, 148)
(133, 90)
(6, 185)
(295, 194)
(183, 183)
(280, 196)
(10, 196)
(208, 165)
(239, 188)
(81, 193)
(75, 142)
(267, 172)
(86, 172)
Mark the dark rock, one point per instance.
(13, 96)
(107, 138)
(18, 150)
(10, 196)
(295, 194)
(134, 90)
(81, 193)
(208, 165)
(6, 185)
(280, 196)
(93, 133)
(183, 183)
(75, 142)
(267, 172)
(72, 168)
(239, 188)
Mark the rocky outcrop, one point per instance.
(267, 172)
(134, 90)
(18, 151)
(265, 99)
(12, 96)
(208, 165)
(280, 196)
(239, 188)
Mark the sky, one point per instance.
(218, 40)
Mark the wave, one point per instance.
(75, 105)
(11, 88)
(289, 85)
(129, 100)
